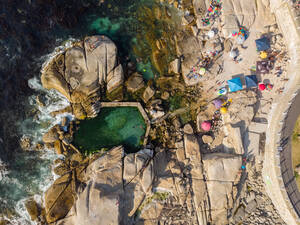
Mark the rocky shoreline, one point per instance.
(182, 174)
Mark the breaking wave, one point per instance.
(31, 174)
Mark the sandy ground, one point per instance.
(248, 56)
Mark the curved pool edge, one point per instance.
(277, 169)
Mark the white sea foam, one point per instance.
(24, 217)
(43, 121)
(35, 128)
(3, 170)
(60, 49)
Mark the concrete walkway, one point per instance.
(278, 172)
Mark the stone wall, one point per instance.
(278, 173)
(132, 104)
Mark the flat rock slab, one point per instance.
(258, 127)
(221, 166)
(251, 143)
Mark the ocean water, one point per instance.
(30, 172)
(32, 32)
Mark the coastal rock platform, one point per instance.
(82, 70)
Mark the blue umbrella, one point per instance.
(262, 44)
(251, 81)
(235, 84)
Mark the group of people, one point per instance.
(213, 12)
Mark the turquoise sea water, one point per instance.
(113, 126)
(134, 26)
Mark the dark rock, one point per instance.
(135, 82)
(51, 136)
(148, 93)
(32, 209)
(59, 199)
(61, 169)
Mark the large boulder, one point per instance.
(114, 190)
(135, 82)
(80, 71)
(229, 164)
(148, 93)
(59, 199)
(115, 78)
(52, 135)
(189, 47)
(222, 176)
(139, 189)
(32, 209)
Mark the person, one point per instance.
(269, 87)
(222, 91)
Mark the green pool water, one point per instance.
(113, 126)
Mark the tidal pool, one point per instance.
(113, 126)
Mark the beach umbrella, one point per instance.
(263, 55)
(251, 81)
(206, 125)
(218, 103)
(235, 84)
(262, 44)
(223, 110)
(262, 87)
